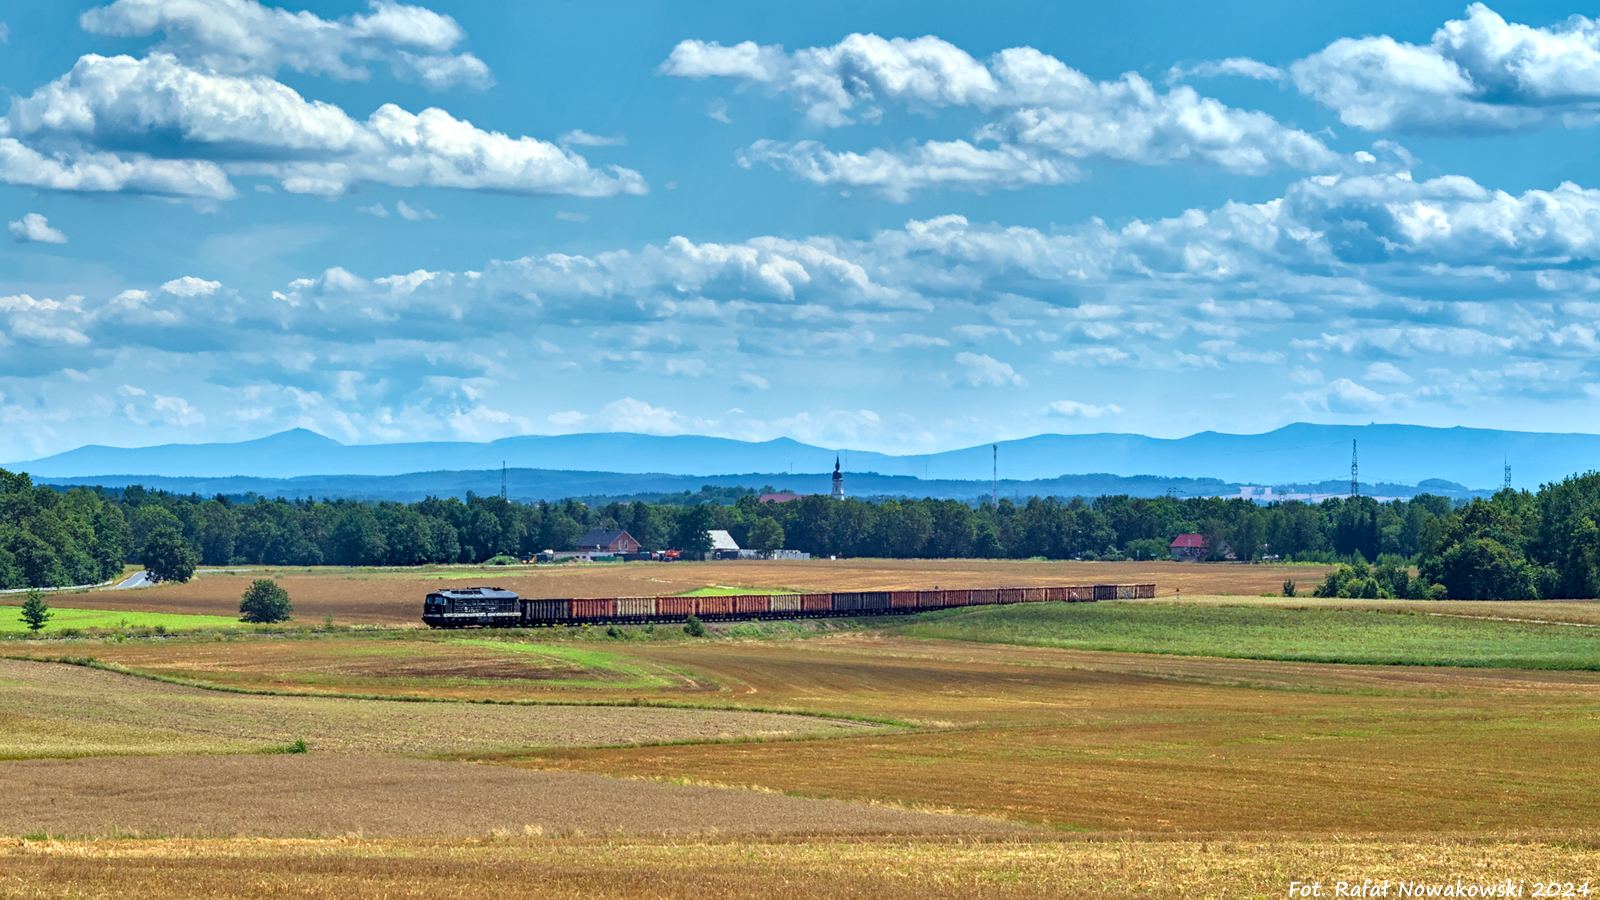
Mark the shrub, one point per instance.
(694, 627)
(264, 601)
(1288, 587)
(502, 560)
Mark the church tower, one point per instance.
(838, 481)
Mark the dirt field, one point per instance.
(1104, 741)
(394, 597)
(1215, 866)
(317, 795)
(54, 710)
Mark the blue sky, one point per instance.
(898, 227)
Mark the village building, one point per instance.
(607, 540)
(723, 546)
(1189, 547)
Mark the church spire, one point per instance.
(838, 481)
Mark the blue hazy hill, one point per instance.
(1295, 454)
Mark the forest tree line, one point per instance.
(1515, 545)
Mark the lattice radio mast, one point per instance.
(1508, 473)
(994, 478)
(1355, 477)
(502, 479)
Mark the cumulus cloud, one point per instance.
(204, 105)
(264, 127)
(243, 37)
(1044, 115)
(36, 228)
(986, 371)
(1335, 276)
(376, 209)
(1480, 74)
(1074, 409)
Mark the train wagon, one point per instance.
(496, 607)
(490, 606)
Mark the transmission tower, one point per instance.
(502, 479)
(994, 478)
(1508, 473)
(1355, 477)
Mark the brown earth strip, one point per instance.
(394, 597)
(1217, 866)
(51, 709)
(329, 796)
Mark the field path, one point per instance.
(331, 796)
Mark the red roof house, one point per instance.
(1189, 547)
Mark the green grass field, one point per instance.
(111, 620)
(1255, 632)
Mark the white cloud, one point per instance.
(1043, 115)
(95, 171)
(897, 175)
(190, 286)
(565, 216)
(177, 411)
(986, 371)
(629, 414)
(568, 418)
(5, 33)
(263, 127)
(413, 213)
(243, 37)
(1387, 373)
(1479, 74)
(1074, 409)
(754, 380)
(34, 227)
(1235, 66)
(376, 209)
(718, 109)
(585, 139)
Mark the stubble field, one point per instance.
(1156, 764)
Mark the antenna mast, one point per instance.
(502, 479)
(1508, 473)
(1355, 479)
(994, 478)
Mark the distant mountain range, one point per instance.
(1302, 454)
(601, 487)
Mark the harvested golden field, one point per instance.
(316, 795)
(1115, 741)
(394, 597)
(1218, 866)
(56, 710)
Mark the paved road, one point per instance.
(137, 579)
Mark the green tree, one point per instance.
(35, 610)
(694, 525)
(265, 601)
(766, 534)
(167, 556)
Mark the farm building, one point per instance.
(723, 546)
(1189, 547)
(608, 540)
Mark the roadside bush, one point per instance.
(1289, 587)
(502, 560)
(265, 601)
(694, 627)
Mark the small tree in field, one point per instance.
(265, 601)
(35, 610)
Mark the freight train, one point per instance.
(495, 607)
